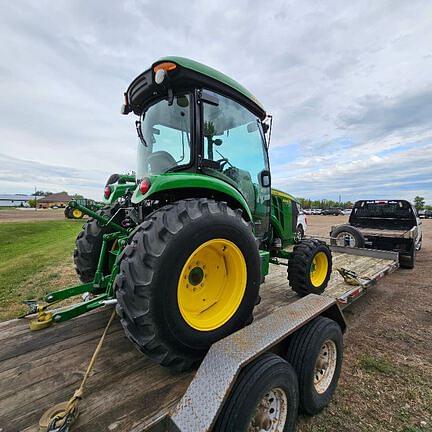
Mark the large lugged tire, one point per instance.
(189, 276)
(316, 352)
(88, 245)
(347, 235)
(310, 267)
(264, 397)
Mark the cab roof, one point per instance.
(212, 73)
(188, 73)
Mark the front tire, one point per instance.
(265, 397)
(310, 267)
(189, 276)
(88, 245)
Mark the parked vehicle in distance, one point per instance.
(332, 212)
(347, 212)
(425, 214)
(382, 224)
(301, 222)
(316, 211)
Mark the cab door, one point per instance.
(233, 141)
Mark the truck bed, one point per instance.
(376, 232)
(127, 392)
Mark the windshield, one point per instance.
(165, 141)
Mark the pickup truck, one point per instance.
(382, 224)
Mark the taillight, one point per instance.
(144, 185)
(107, 192)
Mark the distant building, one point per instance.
(55, 200)
(15, 200)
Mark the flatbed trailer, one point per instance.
(126, 391)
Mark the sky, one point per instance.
(349, 85)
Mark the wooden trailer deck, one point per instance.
(126, 392)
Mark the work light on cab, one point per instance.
(161, 70)
(144, 185)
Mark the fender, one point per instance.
(171, 181)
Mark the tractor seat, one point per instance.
(161, 161)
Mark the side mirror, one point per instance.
(264, 178)
(217, 142)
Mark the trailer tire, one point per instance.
(347, 235)
(321, 341)
(310, 267)
(89, 243)
(269, 379)
(177, 259)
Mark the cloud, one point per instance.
(349, 86)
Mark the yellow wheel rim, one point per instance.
(319, 269)
(212, 284)
(77, 214)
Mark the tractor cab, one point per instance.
(197, 121)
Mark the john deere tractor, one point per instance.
(184, 245)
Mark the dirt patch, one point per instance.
(386, 381)
(27, 215)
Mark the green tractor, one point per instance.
(75, 213)
(183, 246)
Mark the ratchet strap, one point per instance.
(61, 417)
(351, 277)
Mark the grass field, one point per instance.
(35, 257)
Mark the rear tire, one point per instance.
(265, 390)
(310, 267)
(160, 296)
(407, 261)
(316, 353)
(88, 245)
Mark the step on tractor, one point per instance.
(183, 244)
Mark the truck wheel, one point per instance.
(189, 276)
(346, 235)
(299, 234)
(88, 245)
(265, 397)
(316, 352)
(310, 267)
(407, 261)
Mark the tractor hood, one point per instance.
(179, 73)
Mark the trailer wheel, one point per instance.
(88, 245)
(264, 397)
(346, 235)
(310, 267)
(189, 276)
(316, 352)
